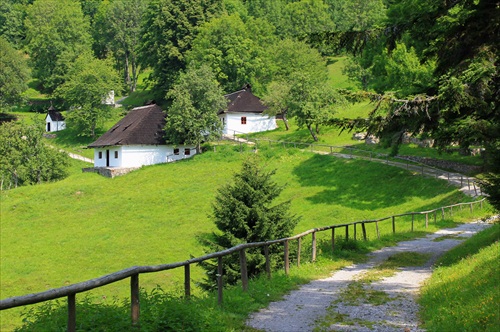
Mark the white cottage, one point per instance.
(245, 114)
(137, 140)
(54, 121)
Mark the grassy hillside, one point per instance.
(463, 293)
(86, 225)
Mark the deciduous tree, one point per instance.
(196, 100)
(57, 33)
(88, 84)
(14, 74)
(168, 30)
(26, 159)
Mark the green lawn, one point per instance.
(86, 225)
(463, 293)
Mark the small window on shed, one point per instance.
(116, 154)
(176, 151)
(187, 152)
(243, 120)
(100, 154)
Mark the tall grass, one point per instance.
(463, 293)
(86, 225)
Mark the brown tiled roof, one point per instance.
(244, 101)
(141, 126)
(55, 115)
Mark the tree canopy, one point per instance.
(56, 33)
(196, 100)
(14, 74)
(169, 27)
(89, 82)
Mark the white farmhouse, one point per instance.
(54, 121)
(245, 114)
(137, 140)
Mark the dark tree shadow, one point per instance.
(364, 185)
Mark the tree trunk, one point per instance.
(313, 134)
(285, 120)
(133, 84)
(317, 129)
(198, 148)
(126, 73)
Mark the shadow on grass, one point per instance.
(363, 185)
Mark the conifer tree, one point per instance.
(244, 212)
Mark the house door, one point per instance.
(48, 126)
(107, 158)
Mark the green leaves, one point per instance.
(56, 33)
(196, 101)
(88, 83)
(26, 159)
(244, 212)
(14, 74)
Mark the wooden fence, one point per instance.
(134, 272)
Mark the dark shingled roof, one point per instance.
(141, 126)
(244, 101)
(55, 115)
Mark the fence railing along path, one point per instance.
(467, 185)
(134, 272)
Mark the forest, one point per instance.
(429, 67)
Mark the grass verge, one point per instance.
(463, 293)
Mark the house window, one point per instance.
(243, 120)
(100, 154)
(116, 154)
(176, 151)
(187, 152)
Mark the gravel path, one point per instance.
(319, 304)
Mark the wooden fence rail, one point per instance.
(134, 272)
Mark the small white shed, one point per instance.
(54, 121)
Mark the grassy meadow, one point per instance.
(87, 226)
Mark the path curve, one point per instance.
(319, 303)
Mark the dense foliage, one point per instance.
(243, 212)
(88, 83)
(196, 100)
(168, 31)
(56, 34)
(14, 74)
(26, 159)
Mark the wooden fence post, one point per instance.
(268, 262)
(313, 254)
(187, 281)
(72, 313)
(355, 235)
(412, 221)
(333, 238)
(346, 232)
(363, 229)
(134, 297)
(287, 258)
(471, 208)
(299, 249)
(435, 216)
(243, 269)
(442, 213)
(378, 232)
(219, 280)
(393, 225)
(426, 220)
